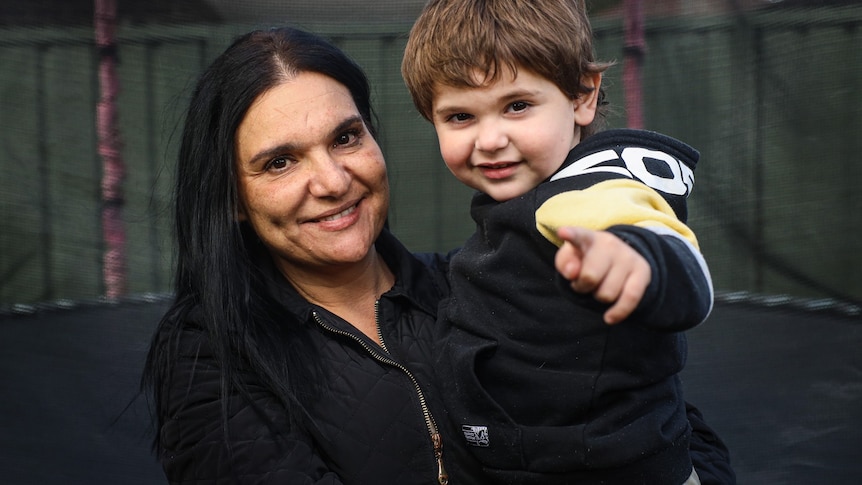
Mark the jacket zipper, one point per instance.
(430, 424)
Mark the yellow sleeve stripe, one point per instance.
(608, 203)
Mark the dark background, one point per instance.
(782, 385)
(767, 90)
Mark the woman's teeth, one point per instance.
(339, 215)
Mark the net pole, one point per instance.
(109, 148)
(634, 50)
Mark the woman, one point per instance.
(298, 349)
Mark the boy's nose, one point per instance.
(491, 137)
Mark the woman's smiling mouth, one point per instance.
(334, 217)
(339, 215)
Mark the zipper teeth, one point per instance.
(442, 476)
(377, 322)
(429, 420)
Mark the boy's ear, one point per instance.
(586, 103)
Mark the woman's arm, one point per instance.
(709, 454)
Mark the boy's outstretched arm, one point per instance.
(602, 264)
(679, 292)
(651, 276)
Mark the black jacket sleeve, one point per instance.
(680, 293)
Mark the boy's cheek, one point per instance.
(452, 147)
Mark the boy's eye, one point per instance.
(459, 117)
(518, 106)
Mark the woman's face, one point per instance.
(311, 178)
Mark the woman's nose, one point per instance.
(330, 178)
(491, 137)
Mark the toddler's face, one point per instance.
(506, 137)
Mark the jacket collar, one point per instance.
(420, 283)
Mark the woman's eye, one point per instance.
(346, 139)
(278, 164)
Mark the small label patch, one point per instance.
(476, 435)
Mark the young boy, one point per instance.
(550, 385)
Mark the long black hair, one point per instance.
(217, 273)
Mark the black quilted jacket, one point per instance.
(367, 425)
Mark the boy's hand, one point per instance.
(600, 263)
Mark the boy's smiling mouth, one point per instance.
(498, 170)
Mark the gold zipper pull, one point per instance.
(442, 476)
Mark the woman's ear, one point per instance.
(240, 213)
(586, 103)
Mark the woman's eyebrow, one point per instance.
(347, 123)
(288, 147)
(272, 152)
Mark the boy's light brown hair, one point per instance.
(452, 40)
